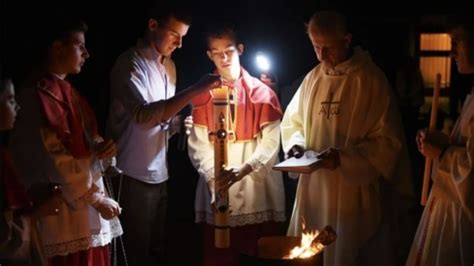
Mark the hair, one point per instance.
(57, 28)
(163, 12)
(60, 29)
(4, 80)
(463, 22)
(329, 22)
(219, 32)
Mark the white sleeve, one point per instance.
(267, 148)
(75, 175)
(457, 163)
(129, 87)
(292, 125)
(201, 151)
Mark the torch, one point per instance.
(264, 65)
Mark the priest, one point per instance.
(344, 110)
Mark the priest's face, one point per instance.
(70, 54)
(331, 48)
(462, 50)
(167, 37)
(225, 55)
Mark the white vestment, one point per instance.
(354, 112)
(445, 235)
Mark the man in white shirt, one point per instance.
(143, 107)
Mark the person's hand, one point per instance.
(107, 207)
(105, 149)
(296, 151)
(175, 124)
(330, 159)
(228, 177)
(188, 124)
(267, 80)
(211, 186)
(208, 82)
(431, 144)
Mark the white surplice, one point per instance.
(445, 235)
(40, 157)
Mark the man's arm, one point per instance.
(150, 115)
(129, 87)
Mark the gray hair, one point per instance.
(329, 22)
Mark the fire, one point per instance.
(307, 248)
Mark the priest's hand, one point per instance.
(295, 151)
(228, 177)
(431, 144)
(330, 159)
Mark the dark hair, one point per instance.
(4, 79)
(57, 28)
(466, 23)
(3, 83)
(61, 28)
(218, 32)
(163, 11)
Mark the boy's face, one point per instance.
(71, 53)
(166, 38)
(331, 48)
(462, 51)
(225, 55)
(8, 106)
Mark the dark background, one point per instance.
(386, 28)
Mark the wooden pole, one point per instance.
(220, 134)
(428, 162)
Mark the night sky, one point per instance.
(275, 27)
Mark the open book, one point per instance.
(306, 164)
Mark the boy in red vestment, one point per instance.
(58, 129)
(256, 196)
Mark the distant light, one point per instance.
(263, 63)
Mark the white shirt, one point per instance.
(138, 79)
